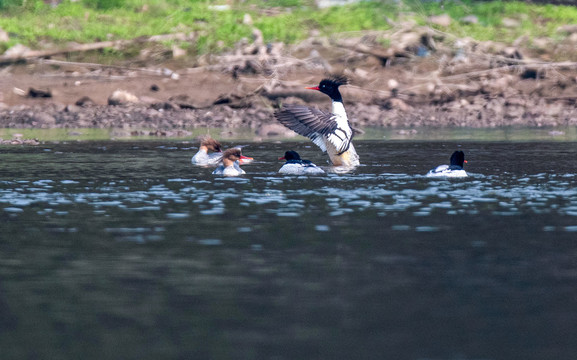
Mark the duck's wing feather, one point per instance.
(440, 169)
(309, 122)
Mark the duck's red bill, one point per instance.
(245, 159)
(282, 158)
(313, 88)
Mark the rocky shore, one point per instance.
(425, 80)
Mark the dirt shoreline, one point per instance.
(411, 93)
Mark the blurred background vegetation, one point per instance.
(218, 26)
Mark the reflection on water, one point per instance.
(124, 250)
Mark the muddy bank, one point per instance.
(168, 113)
(423, 81)
(166, 119)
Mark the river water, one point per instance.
(123, 249)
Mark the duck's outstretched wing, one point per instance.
(309, 122)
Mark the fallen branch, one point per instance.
(159, 72)
(31, 54)
(384, 56)
(536, 66)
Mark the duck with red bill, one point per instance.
(332, 131)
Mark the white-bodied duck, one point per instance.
(332, 131)
(230, 163)
(209, 152)
(294, 165)
(454, 170)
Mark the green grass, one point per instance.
(35, 24)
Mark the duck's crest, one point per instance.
(337, 79)
(204, 137)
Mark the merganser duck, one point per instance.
(296, 166)
(230, 163)
(331, 132)
(203, 157)
(453, 170)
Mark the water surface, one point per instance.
(122, 249)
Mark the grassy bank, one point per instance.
(37, 25)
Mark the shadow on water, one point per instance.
(125, 250)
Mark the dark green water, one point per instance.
(124, 250)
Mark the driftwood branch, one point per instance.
(33, 54)
(527, 65)
(384, 55)
(159, 72)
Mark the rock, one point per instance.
(443, 20)
(275, 49)
(149, 100)
(18, 91)
(172, 74)
(16, 51)
(568, 29)
(4, 36)
(491, 86)
(233, 101)
(177, 52)
(514, 112)
(511, 53)
(470, 19)
(166, 105)
(316, 59)
(44, 120)
(122, 97)
(74, 109)
(154, 87)
(541, 43)
(183, 101)
(553, 110)
(521, 41)
(85, 101)
(39, 93)
(361, 73)
(396, 104)
(532, 74)
(247, 20)
(510, 23)
(407, 40)
(519, 102)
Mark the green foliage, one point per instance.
(362, 16)
(104, 4)
(287, 29)
(4, 4)
(32, 21)
(22, 5)
(282, 3)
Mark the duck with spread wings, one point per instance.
(332, 131)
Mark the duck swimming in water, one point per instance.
(332, 131)
(230, 163)
(209, 152)
(296, 166)
(455, 169)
